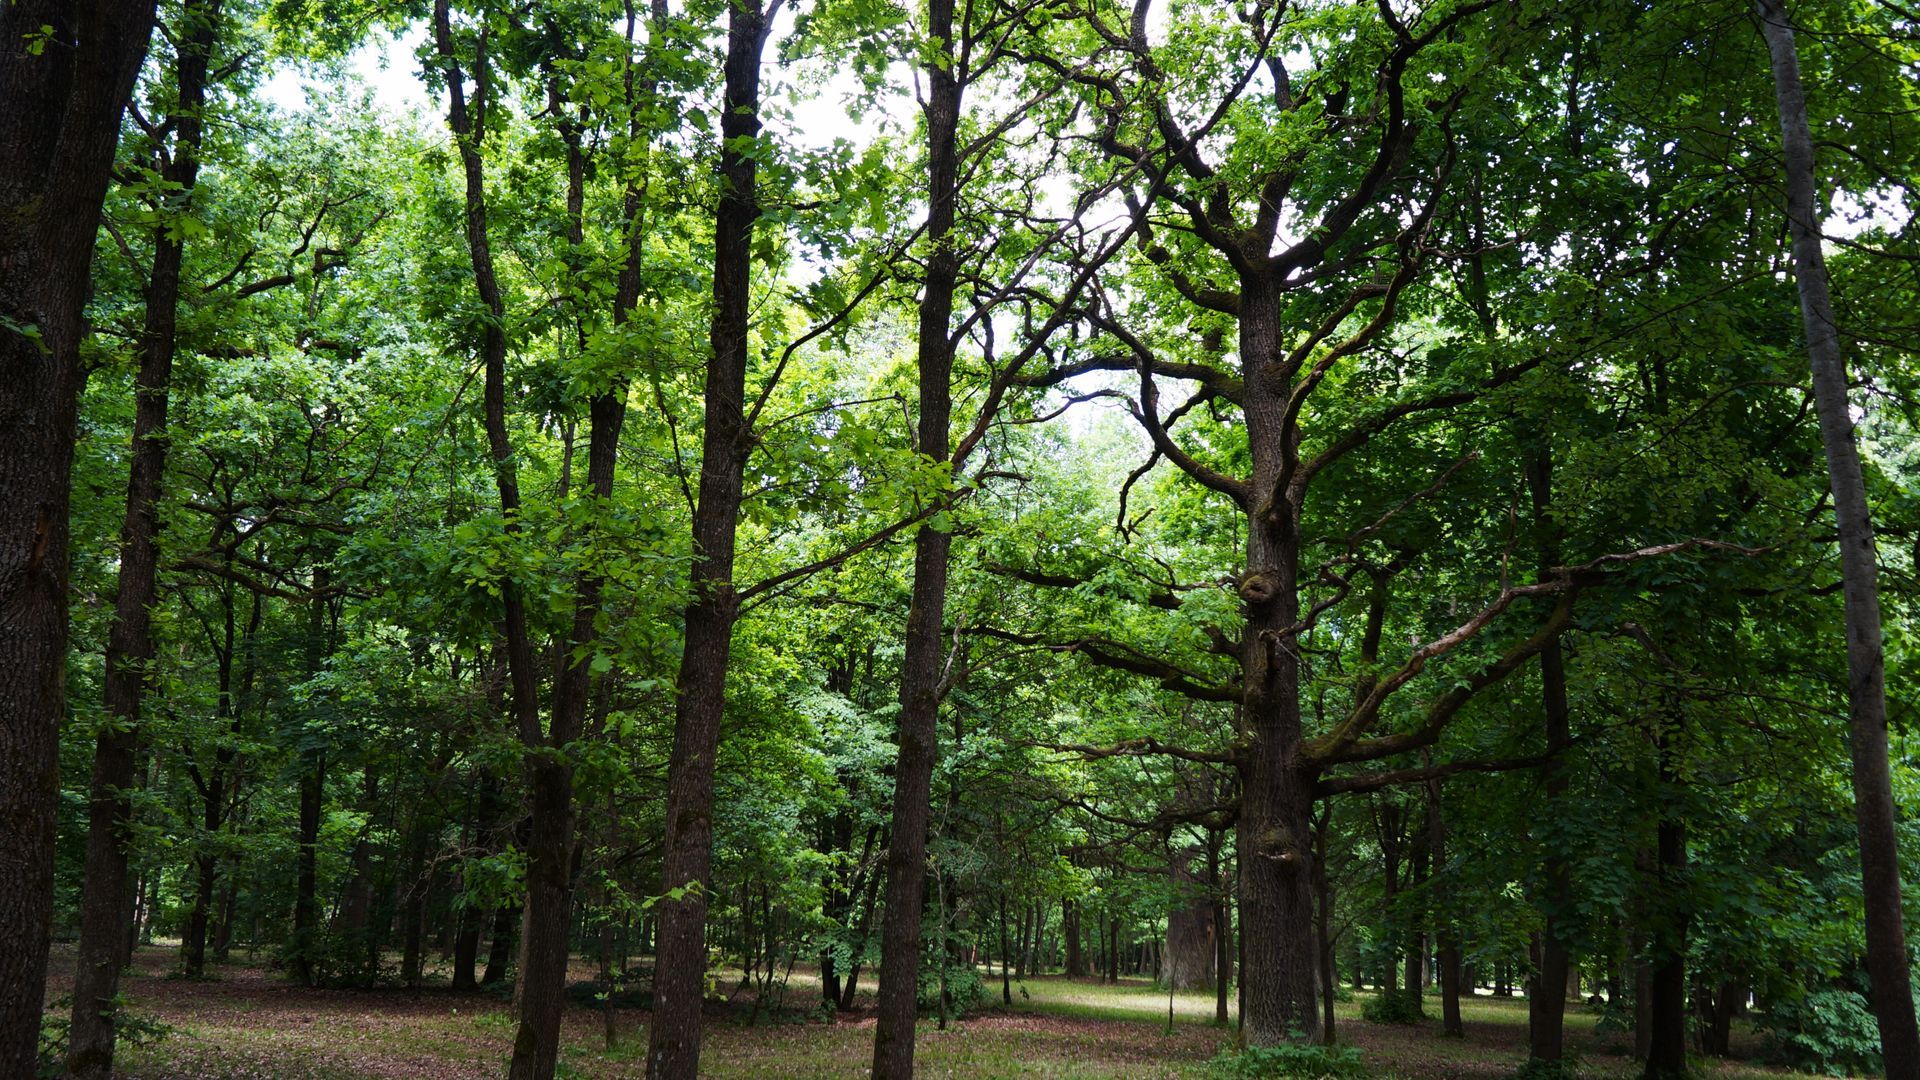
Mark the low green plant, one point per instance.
(1395, 1007)
(1289, 1060)
(1830, 1031)
(1567, 1068)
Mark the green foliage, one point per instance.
(1830, 1031)
(132, 1030)
(1395, 1007)
(1289, 1061)
(1567, 1068)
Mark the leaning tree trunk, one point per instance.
(105, 911)
(1866, 689)
(64, 87)
(673, 1048)
(920, 672)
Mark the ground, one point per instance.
(248, 1022)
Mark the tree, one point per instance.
(66, 71)
(1866, 689)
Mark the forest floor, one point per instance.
(248, 1021)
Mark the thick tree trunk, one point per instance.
(921, 667)
(673, 1050)
(1190, 929)
(64, 94)
(1274, 837)
(1866, 689)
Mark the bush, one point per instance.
(1829, 1031)
(965, 992)
(1293, 1061)
(1542, 1069)
(1395, 1007)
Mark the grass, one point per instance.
(249, 1022)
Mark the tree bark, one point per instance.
(1190, 929)
(1546, 1003)
(105, 912)
(921, 667)
(673, 1050)
(64, 94)
(1866, 688)
(1276, 779)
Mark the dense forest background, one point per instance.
(1285, 499)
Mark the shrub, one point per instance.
(1395, 1007)
(1542, 1069)
(1293, 1061)
(965, 992)
(1829, 1031)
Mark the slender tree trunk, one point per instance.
(673, 1050)
(1070, 926)
(1546, 1003)
(500, 946)
(130, 648)
(1223, 932)
(1866, 689)
(1446, 930)
(1323, 922)
(921, 668)
(1667, 990)
(64, 97)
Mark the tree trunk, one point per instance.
(64, 96)
(1667, 992)
(1276, 780)
(104, 909)
(1446, 930)
(921, 667)
(1190, 929)
(500, 947)
(673, 1050)
(1070, 927)
(1546, 1004)
(1222, 948)
(1323, 921)
(1866, 690)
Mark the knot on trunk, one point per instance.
(1258, 588)
(1277, 843)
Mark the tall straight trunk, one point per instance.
(1076, 964)
(1667, 987)
(1446, 930)
(673, 1048)
(1006, 970)
(500, 946)
(1546, 1001)
(920, 672)
(306, 905)
(64, 94)
(1322, 923)
(313, 787)
(1223, 931)
(1275, 826)
(1866, 689)
(130, 649)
